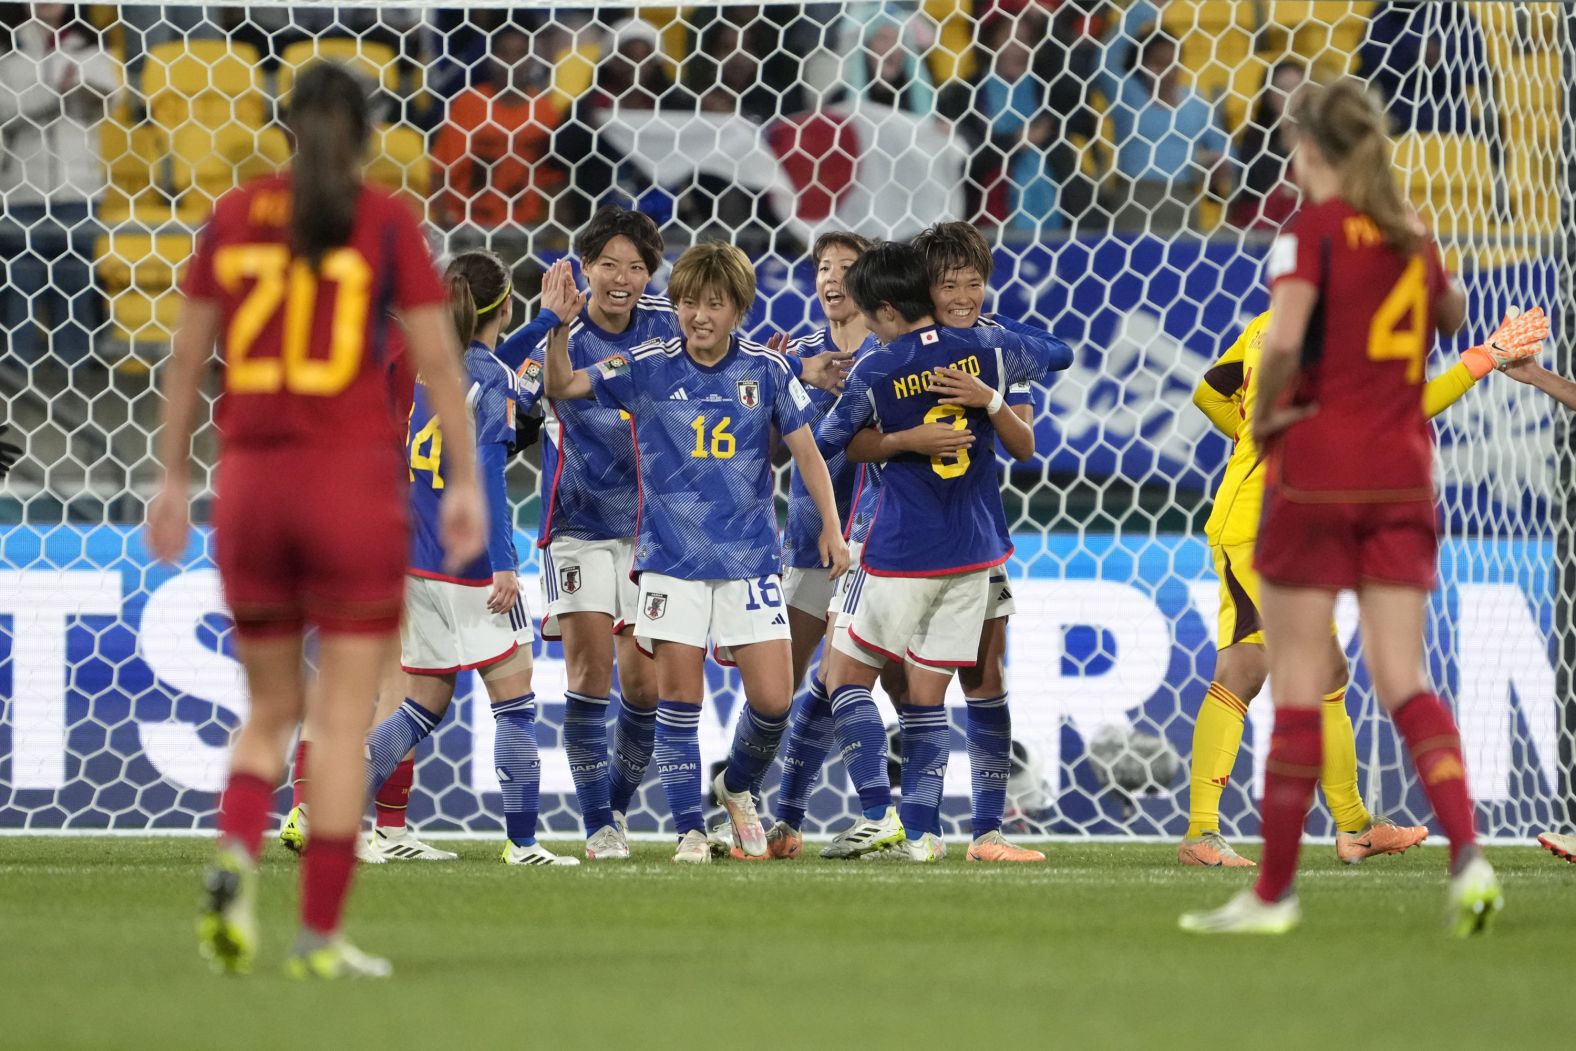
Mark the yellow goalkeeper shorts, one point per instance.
(1239, 596)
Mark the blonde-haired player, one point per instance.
(1227, 394)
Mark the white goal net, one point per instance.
(1125, 162)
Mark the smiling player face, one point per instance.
(616, 277)
(829, 272)
(707, 319)
(958, 297)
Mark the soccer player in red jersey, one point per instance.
(292, 277)
(1358, 292)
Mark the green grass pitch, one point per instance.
(97, 950)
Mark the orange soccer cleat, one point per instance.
(1211, 851)
(993, 846)
(1382, 837)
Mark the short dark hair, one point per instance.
(892, 273)
(953, 246)
(613, 221)
(855, 243)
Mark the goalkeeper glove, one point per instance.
(1519, 336)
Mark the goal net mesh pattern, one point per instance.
(1126, 164)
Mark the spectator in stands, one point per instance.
(1169, 147)
(884, 62)
(56, 84)
(1266, 197)
(741, 63)
(1429, 61)
(146, 26)
(492, 152)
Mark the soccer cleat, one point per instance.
(749, 838)
(926, 850)
(865, 836)
(1560, 846)
(1211, 851)
(720, 839)
(1474, 898)
(621, 822)
(227, 922)
(1383, 836)
(293, 833)
(399, 844)
(783, 841)
(1245, 914)
(314, 956)
(535, 854)
(693, 849)
(606, 845)
(993, 846)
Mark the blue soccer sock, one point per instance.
(755, 741)
(862, 739)
(678, 762)
(989, 730)
(804, 753)
(518, 766)
(925, 733)
(585, 740)
(634, 737)
(392, 738)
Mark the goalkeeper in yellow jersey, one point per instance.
(1226, 395)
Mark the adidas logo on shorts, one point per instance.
(778, 619)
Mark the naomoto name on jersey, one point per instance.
(919, 382)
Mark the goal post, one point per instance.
(1127, 211)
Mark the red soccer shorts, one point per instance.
(306, 535)
(1341, 546)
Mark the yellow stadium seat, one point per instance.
(139, 272)
(134, 155)
(399, 162)
(205, 98)
(575, 72)
(370, 59)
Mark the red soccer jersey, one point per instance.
(1363, 360)
(307, 357)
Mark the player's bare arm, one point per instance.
(930, 439)
(812, 468)
(1014, 423)
(1291, 306)
(826, 370)
(169, 515)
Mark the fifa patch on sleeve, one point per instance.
(801, 398)
(531, 376)
(1020, 387)
(614, 366)
(1282, 259)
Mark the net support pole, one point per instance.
(1564, 495)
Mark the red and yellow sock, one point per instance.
(1217, 736)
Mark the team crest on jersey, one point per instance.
(749, 393)
(656, 605)
(569, 579)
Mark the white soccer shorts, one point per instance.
(727, 612)
(588, 576)
(999, 602)
(841, 586)
(447, 628)
(810, 590)
(933, 621)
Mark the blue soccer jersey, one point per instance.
(704, 436)
(589, 488)
(937, 515)
(802, 536)
(494, 396)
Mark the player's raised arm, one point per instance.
(169, 515)
(562, 300)
(1519, 338)
(560, 379)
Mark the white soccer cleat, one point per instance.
(1245, 914)
(865, 836)
(926, 850)
(329, 959)
(1474, 898)
(607, 845)
(693, 849)
(621, 822)
(721, 840)
(748, 835)
(535, 854)
(399, 844)
(1561, 846)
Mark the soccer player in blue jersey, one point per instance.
(913, 600)
(704, 408)
(475, 618)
